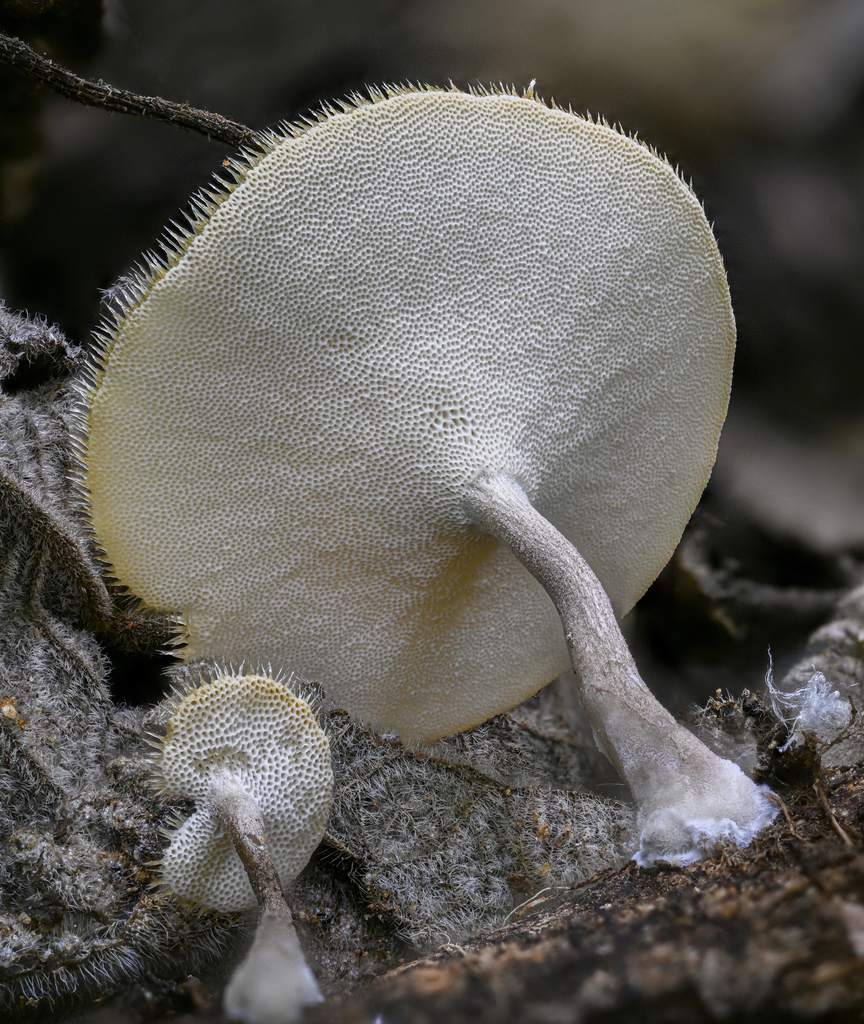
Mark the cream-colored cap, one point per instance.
(403, 294)
(252, 730)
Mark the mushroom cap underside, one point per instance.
(252, 729)
(402, 295)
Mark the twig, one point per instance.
(97, 94)
(826, 807)
(529, 903)
(785, 810)
(405, 967)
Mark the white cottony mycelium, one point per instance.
(289, 418)
(255, 761)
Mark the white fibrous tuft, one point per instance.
(815, 707)
(254, 729)
(405, 292)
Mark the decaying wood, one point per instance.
(768, 933)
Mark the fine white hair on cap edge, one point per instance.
(401, 294)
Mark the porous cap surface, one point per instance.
(389, 301)
(253, 729)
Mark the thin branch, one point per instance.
(535, 901)
(785, 810)
(97, 94)
(826, 807)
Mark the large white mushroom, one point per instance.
(409, 332)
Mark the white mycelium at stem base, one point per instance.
(689, 799)
(254, 759)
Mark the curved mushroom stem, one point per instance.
(689, 799)
(273, 983)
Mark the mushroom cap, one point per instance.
(255, 730)
(390, 300)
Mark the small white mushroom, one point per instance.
(291, 423)
(255, 761)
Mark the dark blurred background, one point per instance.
(759, 102)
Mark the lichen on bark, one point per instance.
(79, 823)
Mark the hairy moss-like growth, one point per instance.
(77, 819)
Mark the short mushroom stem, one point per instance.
(241, 818)
(689, 799)
(273, 983)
